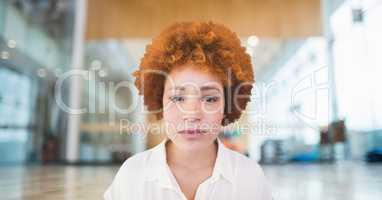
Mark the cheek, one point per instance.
(170, 119)
(171, 114)
(212, 122)
(214, 113)
(213, 118)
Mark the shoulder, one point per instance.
(250, 177)
(134, 165)
(133, 169)
(128, 178)
(242, 163)
(246, 165)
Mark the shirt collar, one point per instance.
(157, 168)
(157, 165)
(224, 163)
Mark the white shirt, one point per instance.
(146, 176)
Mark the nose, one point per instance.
(192, 110)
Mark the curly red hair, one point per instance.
(210, 46)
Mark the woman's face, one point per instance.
(193, 107)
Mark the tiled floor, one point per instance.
(343, 181)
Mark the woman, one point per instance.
(197, 78)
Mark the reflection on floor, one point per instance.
(340, 181)
(54, 182)
(348, 180)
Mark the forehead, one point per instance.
(190, 76)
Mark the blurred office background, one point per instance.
(316, 109)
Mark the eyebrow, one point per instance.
(203, 88)
(209, 88)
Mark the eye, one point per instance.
(176, 99)
(211, 99)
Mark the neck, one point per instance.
(201, 158)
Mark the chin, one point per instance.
(192, 143)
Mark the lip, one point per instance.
(192, 133)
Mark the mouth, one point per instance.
(192, 132)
